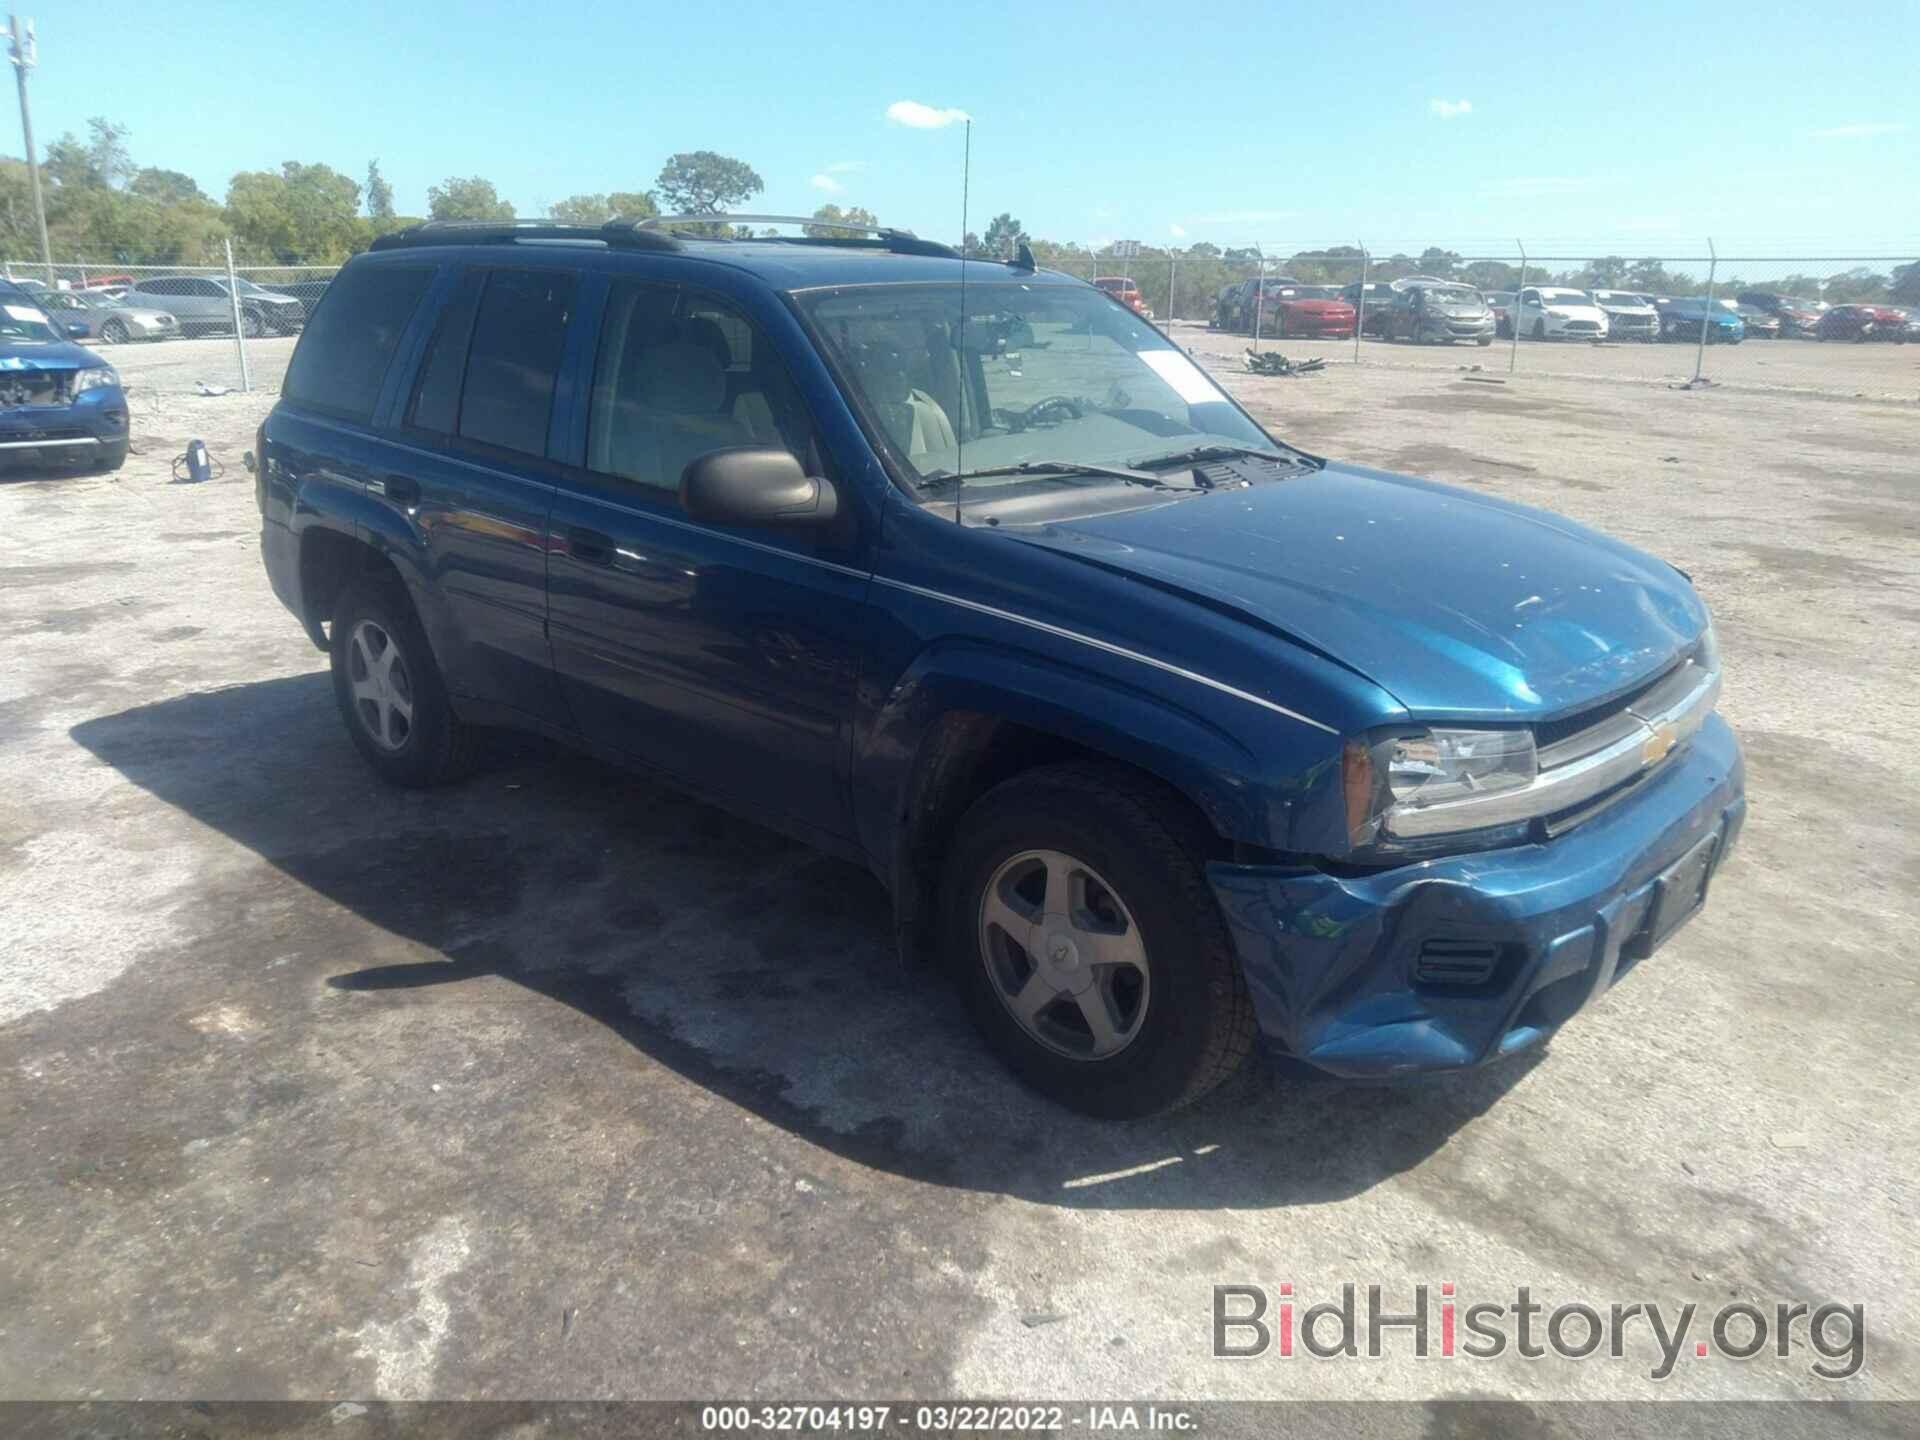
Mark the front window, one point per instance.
(25, 322)
(1034, 373)
(1452, 295)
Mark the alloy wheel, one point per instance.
(382, 688)
(1064, 955)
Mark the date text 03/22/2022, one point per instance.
(948, 1418)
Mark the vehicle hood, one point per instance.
(59, 355)
(1614, 308)
(1461, 312)
(1576, 309)
(1456, 604)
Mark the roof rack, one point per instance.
(619, 234)
(885, 237)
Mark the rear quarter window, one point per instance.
(342, 358)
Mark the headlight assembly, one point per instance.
(93, 377)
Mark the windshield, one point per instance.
(21, 321)
(1037, 374)
(1452, 295)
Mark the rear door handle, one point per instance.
(589, 546)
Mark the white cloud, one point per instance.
(1177, 231)
(826, 182)
(1863, 131)
(1242, 217)
(1530, 185)
(914, 115)
(1450, 109)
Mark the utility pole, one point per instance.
(25, 55)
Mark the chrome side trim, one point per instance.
(45, 444)
(1650, 743)
(1162, 665)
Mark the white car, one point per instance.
(1629, 316)
(1545, 312)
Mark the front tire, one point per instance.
(1087, 945)
(389, 690)
(251, 325)
(1540, 329)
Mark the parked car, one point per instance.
(1439, 311)
(201, 304)
(1863, 322)
(1122, 288)
(1761, 324)
(106, 282)
(58, 400)
(1913, 324)
(1501, 303)
(1629, 316)
(1150, 765)
(1548, 312)
(1797, 317)
(98, 316)
(307, 292)
(1682, 318)
(1287, 307)
(1374, 305)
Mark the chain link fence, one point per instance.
(1814, 323)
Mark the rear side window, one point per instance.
(341, 361)
(514, 359)
(436, 395)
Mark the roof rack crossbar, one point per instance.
(900, 242)
(617, 234)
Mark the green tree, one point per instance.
(379, 193)
(304, 214)
(851, 215)
(1003, 233)
(164, 187)
(107, 151)
(703, 182)
(598, 209)
(467, 198)
(1906, 284)
(1437, 262)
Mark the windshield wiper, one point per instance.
(1199, 453)
(1056, 467)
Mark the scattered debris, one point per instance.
(1482, 380)
(1699, 382)
(206, 389)
(566, 1321)
(1790, 1140)
(1041, 1317)
(1669, 459)
(1272, 362)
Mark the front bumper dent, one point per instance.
(1335, 963)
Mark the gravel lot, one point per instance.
(556, 1084)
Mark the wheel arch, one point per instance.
(967, 720)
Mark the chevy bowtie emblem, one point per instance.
(1662, 740)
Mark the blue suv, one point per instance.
(1164, 735)
(58, 400)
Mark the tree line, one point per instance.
(103, 208)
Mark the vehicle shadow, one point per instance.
(749, 964)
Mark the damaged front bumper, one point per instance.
(1450, 963)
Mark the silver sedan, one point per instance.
(111, 321)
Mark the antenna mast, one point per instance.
(960, 435)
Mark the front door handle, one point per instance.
(589, 546)
(396, 487)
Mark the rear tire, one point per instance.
(390, 692)
(114, 332)
(1102, 868)
(251, 324)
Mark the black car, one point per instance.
(1796, 318)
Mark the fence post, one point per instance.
(1259, 293)
(1513, 310)
(239, 341)
(1360, 304)
(1706, 315)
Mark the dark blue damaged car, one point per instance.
(1167, 738)
(59, 402)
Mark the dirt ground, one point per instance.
(556, 1084)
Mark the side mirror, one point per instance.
(752, 486)
(77, 329)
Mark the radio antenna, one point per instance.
(960, 340)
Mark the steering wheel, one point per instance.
(1038, 411)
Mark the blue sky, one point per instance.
(1628, 127)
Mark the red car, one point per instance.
(1863, 322)
(1287, 307)
(1122, 288)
